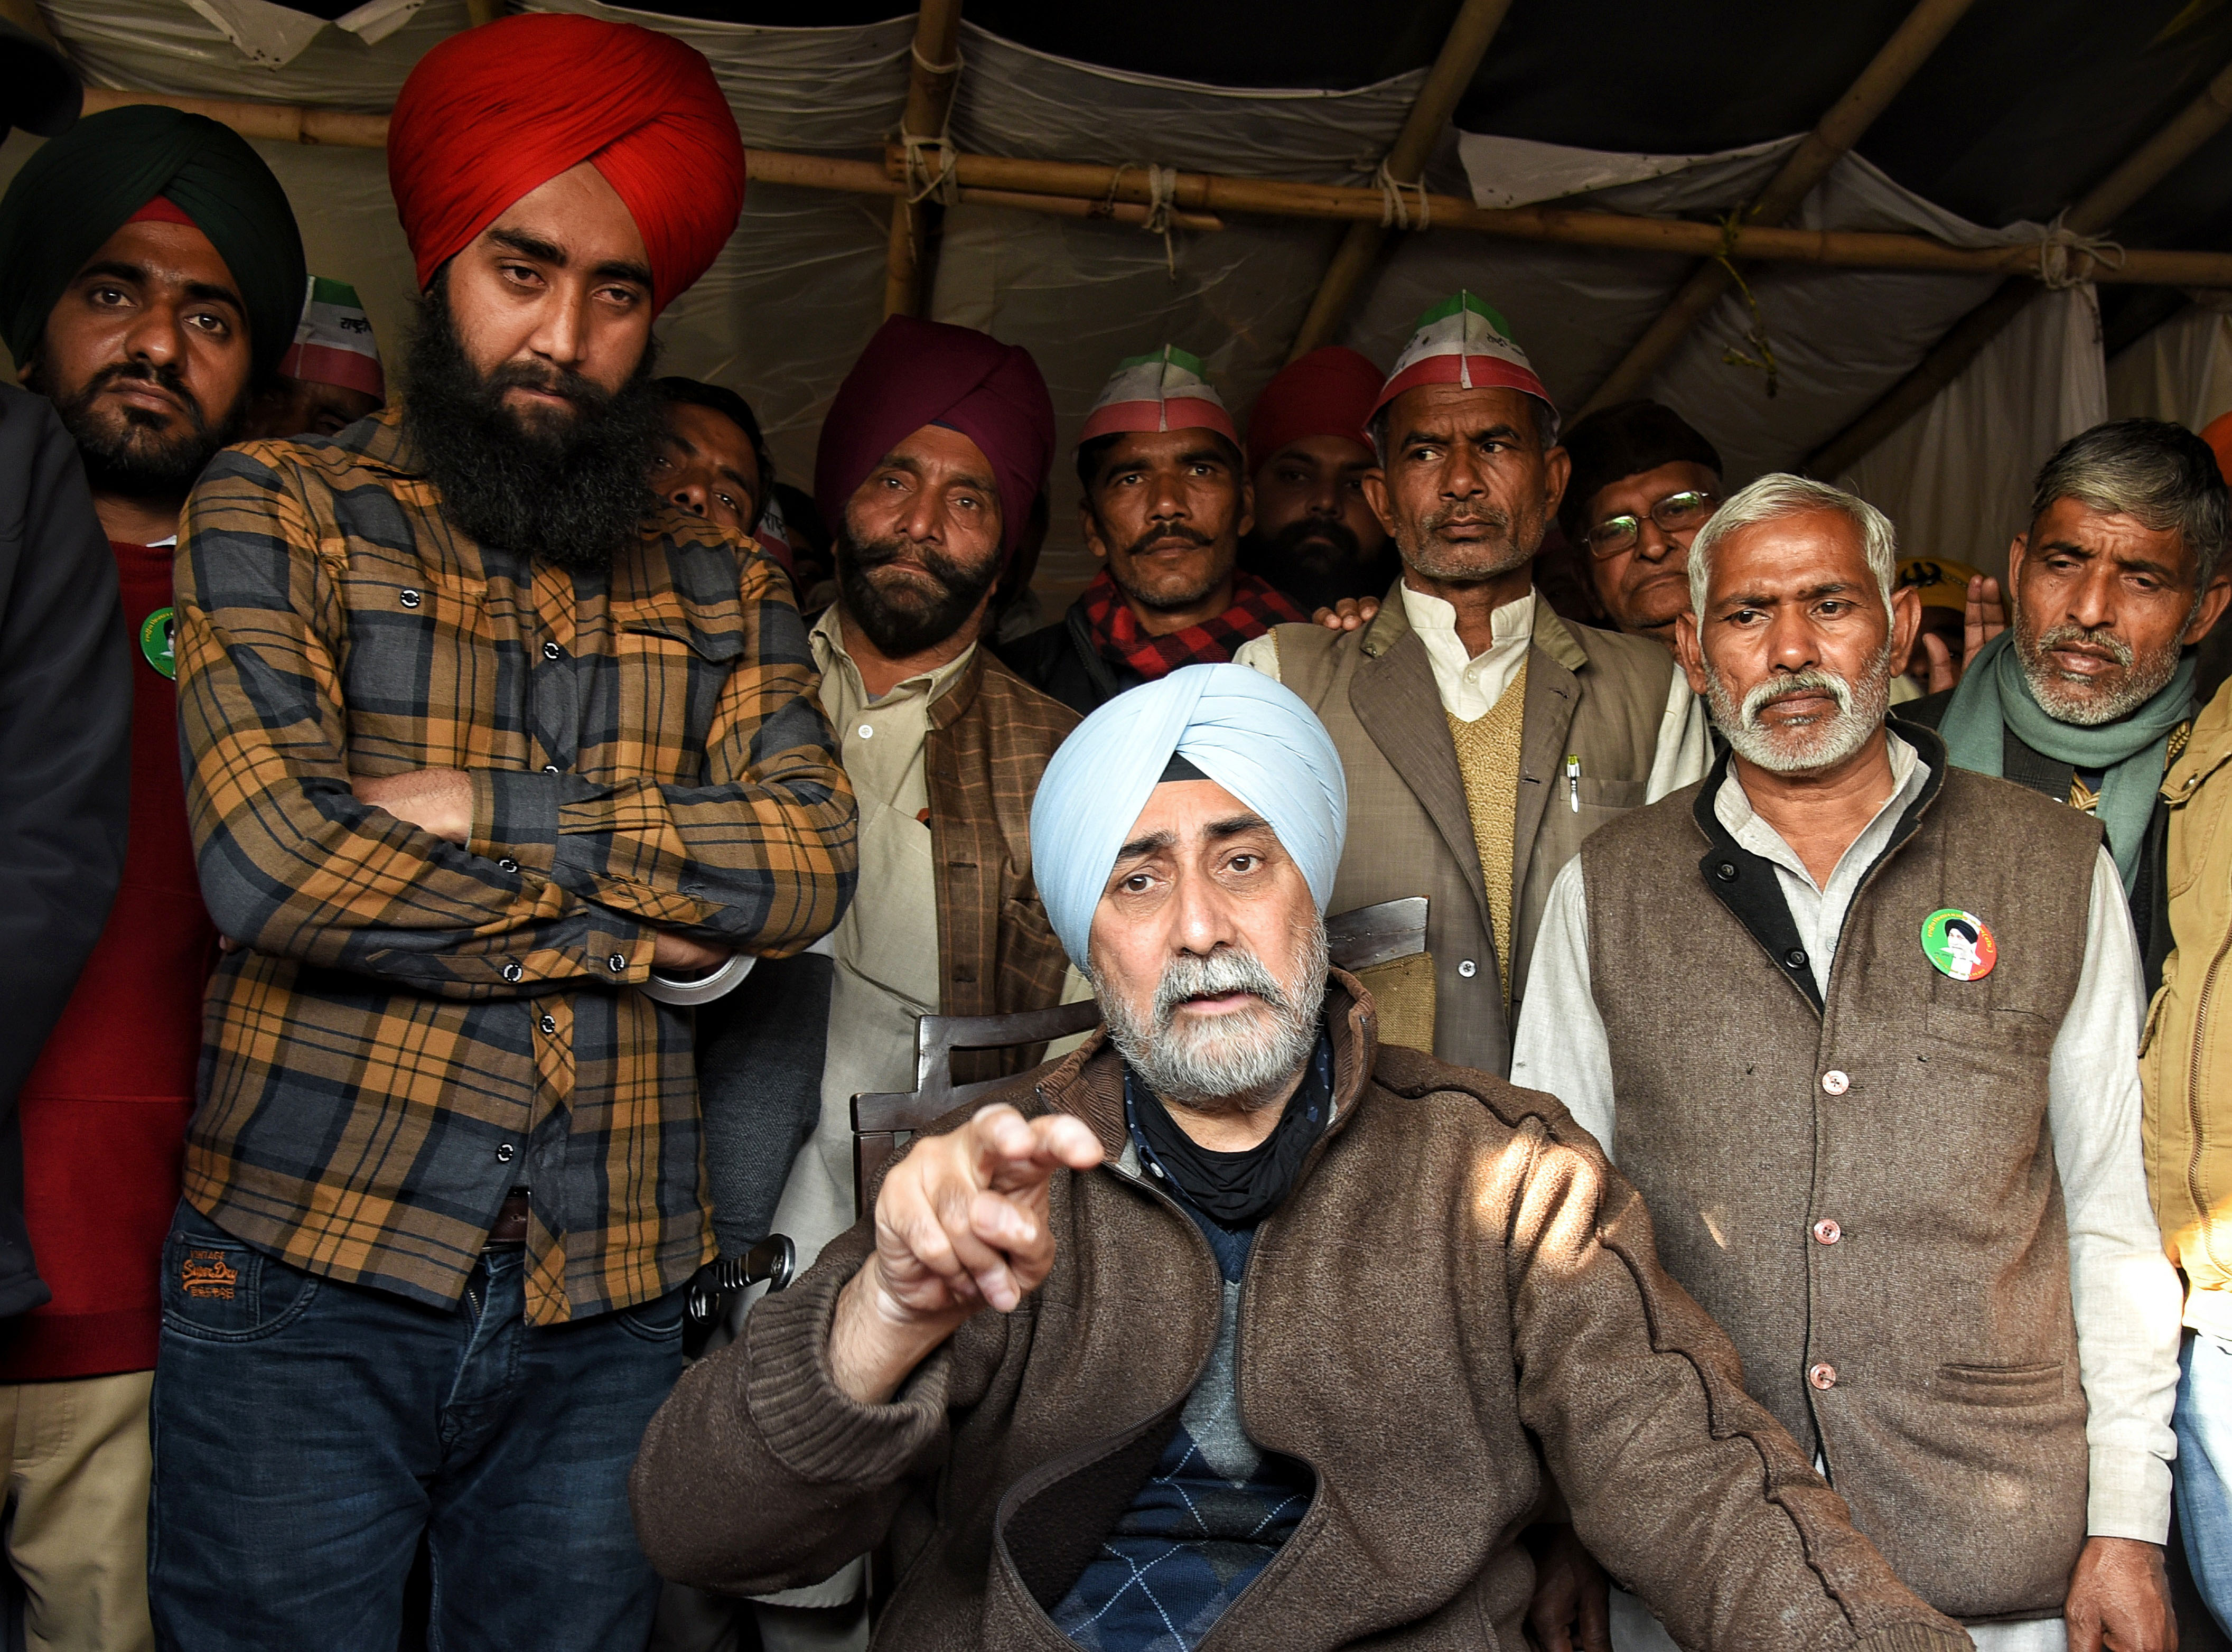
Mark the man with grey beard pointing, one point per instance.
(1860, 1026)
(1237, 1324)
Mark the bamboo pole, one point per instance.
(1457, 63)
(274, 122)
(1066, 188)
(1886, 76)
(2108, 200)
(932, 78)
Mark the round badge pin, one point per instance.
(157, 634)
(1960, 943)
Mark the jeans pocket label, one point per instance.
(206, 1273)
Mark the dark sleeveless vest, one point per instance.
(1862, 1188)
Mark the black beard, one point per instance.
(1318, 563)
(135, 459)
(908, 625)
(572, 491)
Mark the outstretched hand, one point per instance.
(961, 1224)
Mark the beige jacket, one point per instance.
(1595, 694)
(2185, 1060)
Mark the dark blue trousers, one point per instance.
(308, 1435)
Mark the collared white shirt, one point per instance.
(1471, 684)
(2125, 1293)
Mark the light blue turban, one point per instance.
(1254, 738)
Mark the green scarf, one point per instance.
(78, 190)
(1995, 696)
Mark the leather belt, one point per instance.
(510, 1229)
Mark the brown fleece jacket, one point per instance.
(1459, 1297)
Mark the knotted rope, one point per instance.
(2067, 258)
(922, 181)
(1395, 213)
(1162, 199)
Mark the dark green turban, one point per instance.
(80, 188)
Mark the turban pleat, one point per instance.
(494, 113)
(82, 187)
(915, 373)
(1253, 737)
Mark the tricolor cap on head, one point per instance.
(1165, 390)
(1462, 341)
(333, 343)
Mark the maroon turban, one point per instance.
(1330, 391)
(495, 112)
(915, 373)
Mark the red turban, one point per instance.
(1329, 393)
(915, 373)
(496, 112)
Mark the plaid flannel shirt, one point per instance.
(416, 1028)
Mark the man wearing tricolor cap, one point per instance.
(1484, 737)
(330, 376)
(151, 273)
(1289, 1331)
(487, 749)
(1166, 504)
(1315, 538)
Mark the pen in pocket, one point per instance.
(1574, 780)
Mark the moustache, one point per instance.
(1815, 681)
(1192, 537)
(1216, 975)
(2099, 642)
(1334, 536)
(1466, 516)
(866, 557)
(164, 375)
(583, 391)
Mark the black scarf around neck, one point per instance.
(1236, 1189)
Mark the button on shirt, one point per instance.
(646, 752)
(2126, 1297)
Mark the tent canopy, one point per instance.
(1684, 112)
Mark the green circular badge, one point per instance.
(157, 634)
(1960, 943)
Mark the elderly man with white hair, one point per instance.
(1234, 1318)
(1861, 1027)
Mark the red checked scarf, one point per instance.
(1256, 608)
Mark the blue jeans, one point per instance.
(309, 1434)
(2203, 1421)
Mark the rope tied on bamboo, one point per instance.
(2067, 258)
(1395, 213)
(929, 67)
(922, 181)
(1162, 200)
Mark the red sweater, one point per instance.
(105, 1111)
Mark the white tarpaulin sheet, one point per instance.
(789, 302)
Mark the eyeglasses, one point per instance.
(1678, 513)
